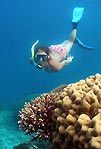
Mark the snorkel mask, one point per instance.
(41, 60)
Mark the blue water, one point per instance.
(22, 22)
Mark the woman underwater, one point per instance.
(55, 57)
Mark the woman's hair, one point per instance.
(43, 48)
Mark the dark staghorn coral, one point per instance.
(36, 117)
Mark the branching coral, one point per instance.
(36, 117)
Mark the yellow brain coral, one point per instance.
(80, 126)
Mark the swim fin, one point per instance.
(77, 14)
(83, 46)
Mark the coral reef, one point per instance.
(69, 116)
(36, 117)
(77, 115)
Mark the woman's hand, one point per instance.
(69, 59)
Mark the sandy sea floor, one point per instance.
(10, 135)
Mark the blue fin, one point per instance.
(77, 14)
(83, 46)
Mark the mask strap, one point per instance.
(32, 49)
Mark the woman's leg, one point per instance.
(67, 44)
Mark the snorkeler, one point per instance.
(53, 58)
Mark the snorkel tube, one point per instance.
(32, 52)
(33, 55)
(32, 49)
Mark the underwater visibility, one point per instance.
(50, 74)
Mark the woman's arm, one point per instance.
(58, 66)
